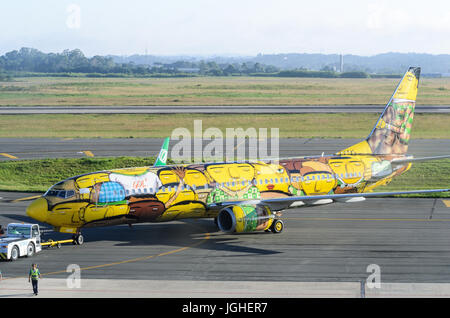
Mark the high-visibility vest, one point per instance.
(34, 274)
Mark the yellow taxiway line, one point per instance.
(447, 203)
(27, 198)
(205, 238)
(88, 153)
(8, 156)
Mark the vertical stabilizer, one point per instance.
(392, 132)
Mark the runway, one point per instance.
(39, 148)
(188, 109)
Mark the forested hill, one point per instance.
(29, 60)
(386, 63)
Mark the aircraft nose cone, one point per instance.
(38, 209)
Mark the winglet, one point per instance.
(162, 157)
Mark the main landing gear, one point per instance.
(277, 226)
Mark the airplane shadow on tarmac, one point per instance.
(176, 233)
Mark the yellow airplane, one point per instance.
(240, 196)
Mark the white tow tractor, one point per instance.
(23, 239)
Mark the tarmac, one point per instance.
(325, 251)
(105, 288)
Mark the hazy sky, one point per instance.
(237, 27)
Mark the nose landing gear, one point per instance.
(78, 239)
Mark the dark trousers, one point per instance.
(34, 282)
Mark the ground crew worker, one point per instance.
(33, 276)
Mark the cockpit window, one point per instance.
(63, 194)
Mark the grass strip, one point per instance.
(341, 125)
(213, 91)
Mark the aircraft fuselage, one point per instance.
(159, 194)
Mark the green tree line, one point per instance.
(74, 61)
(32, 62)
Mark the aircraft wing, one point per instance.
(277, 204)
(412, 159)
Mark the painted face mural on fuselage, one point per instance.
(185, 191)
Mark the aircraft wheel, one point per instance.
(277, 226)
(79, 239)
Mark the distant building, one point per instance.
(189, 69)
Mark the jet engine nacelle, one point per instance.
(245, 218)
